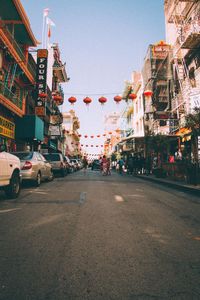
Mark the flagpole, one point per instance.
(48, 35)
(43, 30)
(44, 25)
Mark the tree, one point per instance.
(193, 123)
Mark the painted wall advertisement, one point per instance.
(41, 81)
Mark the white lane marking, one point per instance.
(82, 198)
(135, 195)
(8, 210)
(119, 198)
(139, 190)
(38, 192)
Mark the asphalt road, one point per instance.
(99, 237)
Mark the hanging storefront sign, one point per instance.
(55, 119)
(54, 130)
(41, 81)
(160, 50)
(7, 128)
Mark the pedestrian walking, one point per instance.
(104, 165)
(121, 166)
(85, 164)
(108, 167)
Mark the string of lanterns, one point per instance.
(102, 100)
(94, 136)
(87, 100)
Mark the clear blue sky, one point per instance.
(102, 42)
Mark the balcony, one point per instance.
(191, 34)
(13, 101)
(18, 53)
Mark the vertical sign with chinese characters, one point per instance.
(41, 80)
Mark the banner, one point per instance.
(41, 81)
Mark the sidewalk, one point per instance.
(189, 188)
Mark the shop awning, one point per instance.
(30, 127)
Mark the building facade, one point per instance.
(17, 70)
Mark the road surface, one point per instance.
(99, 237)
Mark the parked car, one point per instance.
(75, 164)
(10, 176)
(80, 163)
(68, 164)
(34, 167)
(57, 162)
(95, 165)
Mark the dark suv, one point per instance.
(57, 162)
(96, 165)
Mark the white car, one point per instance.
(10, 176)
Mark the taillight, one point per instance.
(27, 165)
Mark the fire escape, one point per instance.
(185, 16)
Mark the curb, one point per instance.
(187, 189)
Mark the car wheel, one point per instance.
(62, 172)
(13, 190)
(51, 177)
(38, 179)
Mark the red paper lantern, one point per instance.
(58, 99)
(79, 135)
(87, 100)
(132, 96)
(102, 100)
(110, 132)
(86, 145)
(98, 136)
(148, 93)
(117, 99)
(92, 136)
(104, 134)
(92, 145)
(85, 136)
(72, 100)
(42, 95)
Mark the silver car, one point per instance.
(34, 167)
(57, 161)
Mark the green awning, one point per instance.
(29, 128)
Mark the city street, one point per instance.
(99, 237)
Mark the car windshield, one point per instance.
(52, 157)
(23, 155)
(74, 160)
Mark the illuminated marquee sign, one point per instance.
(41, 80)
(7, 128)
